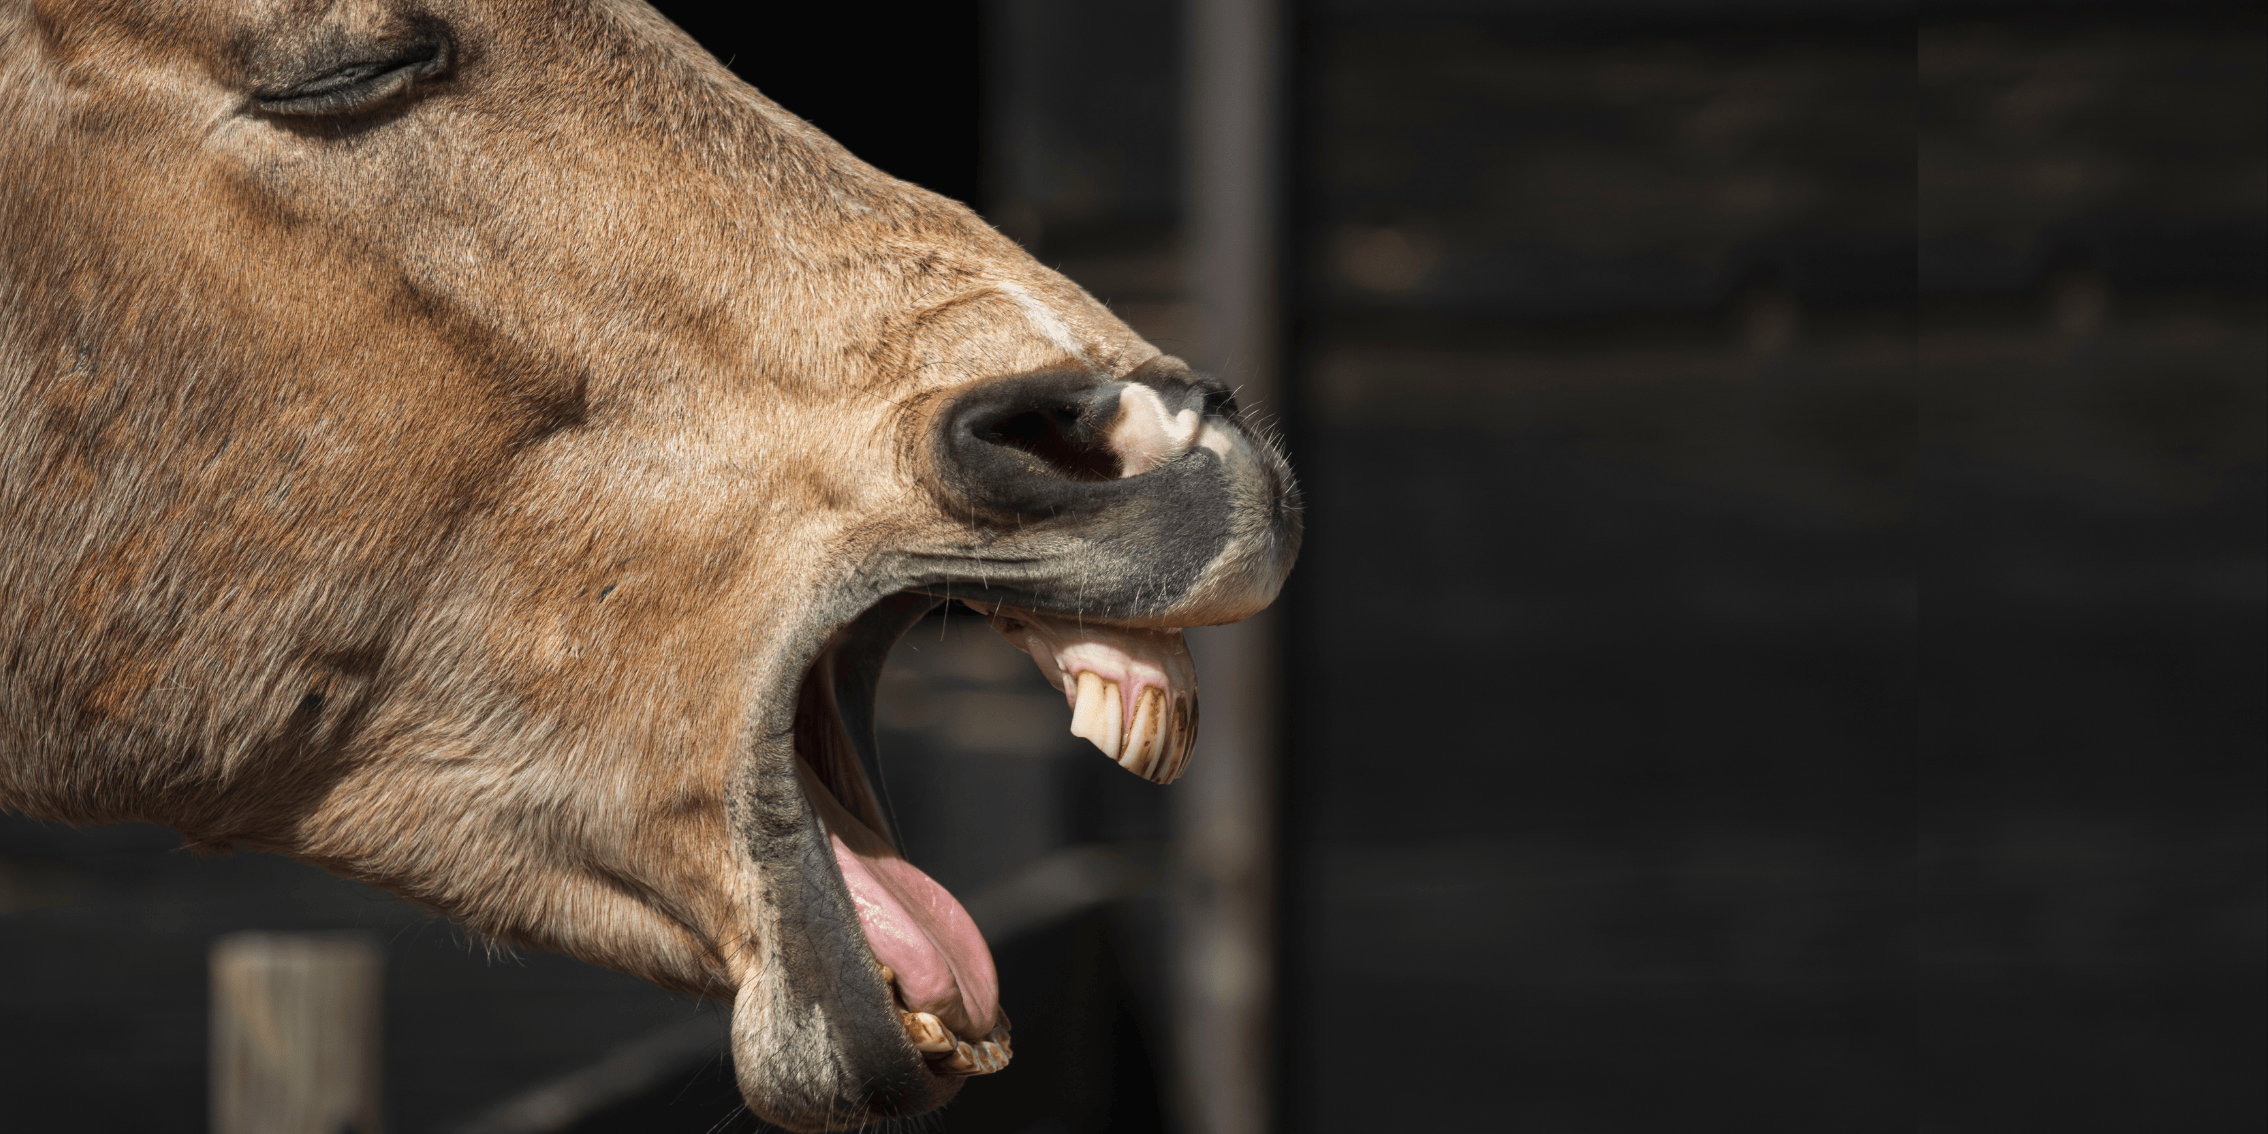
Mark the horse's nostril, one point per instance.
(1032, 426)
(1052, 434)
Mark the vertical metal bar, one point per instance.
(1223, 968)
(295, 1034)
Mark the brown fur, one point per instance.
(446, 493)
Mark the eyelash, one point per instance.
(358, 85)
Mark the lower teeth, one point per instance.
(945, 1051)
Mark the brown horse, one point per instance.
(486, 450)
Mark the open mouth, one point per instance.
(1132, 693)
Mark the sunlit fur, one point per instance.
(445, 493)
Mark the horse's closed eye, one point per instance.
(363, 82)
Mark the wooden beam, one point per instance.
(295, 1034)
(1224, 952)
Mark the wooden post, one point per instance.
(1224, 953)
(295, 1034)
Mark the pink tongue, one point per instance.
(916, 928)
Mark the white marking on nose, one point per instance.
(1217, 439)
(1044, 320)
(1145, 435)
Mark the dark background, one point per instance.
(1779, 645)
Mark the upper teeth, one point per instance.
(1096, 713)
(1132, 692)
(1154, 745)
